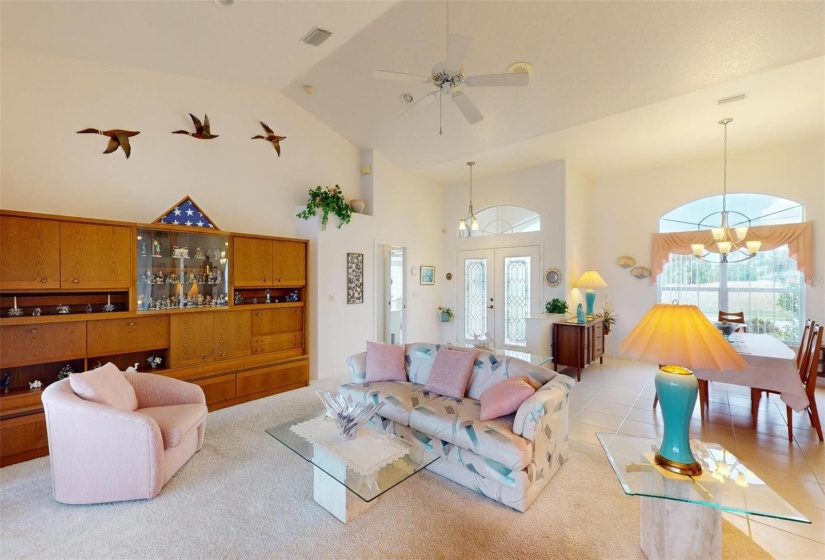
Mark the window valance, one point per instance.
(798, 238)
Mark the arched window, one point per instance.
(768, 288)
(497, 220)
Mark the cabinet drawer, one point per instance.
(22, 434)
(50, 342)
(277, 321)
(218, 389)
(257, 380)
(277, 343)
(119, 336)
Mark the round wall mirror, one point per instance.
(553, 276)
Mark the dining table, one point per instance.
(771, 365)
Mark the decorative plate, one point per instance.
(640, 272)
(626, 262)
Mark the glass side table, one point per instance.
(681, 516)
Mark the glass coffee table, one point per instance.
(350, 475)
(681, 516)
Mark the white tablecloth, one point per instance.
(771, 365)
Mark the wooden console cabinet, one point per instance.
(250, 344)
(578, 344)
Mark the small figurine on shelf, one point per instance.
(4, 383)
(222, 301)
(88, 308)
(254, 300)
(198, 253)
(292, 296)
(200, 300)
(267, 296)
(172, 278)
(143, 249)
(159, 278)
(63, 309)
(151, 304)
(155, 248)
(238, 298)
(132, 369)
(36, 384)
(180, 252)
(36, 312)
(147, 277)
(154, 361)
(65, 371)
(108, 307)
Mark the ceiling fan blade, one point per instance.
(517, 79)
(470, 112)
(419, 100)
(387, 75)
(457, 47)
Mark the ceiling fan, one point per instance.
(448, 76)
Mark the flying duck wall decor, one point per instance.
(271, 137)
(117, 139)
(202, 131)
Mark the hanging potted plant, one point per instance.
(329, 201)
(446, 314)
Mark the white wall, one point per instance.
(240, 183)
(541, 189)
(627, 209)
(579, 235)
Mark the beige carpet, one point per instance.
(245, 495)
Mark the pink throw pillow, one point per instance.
(105, 385)
(451, 372)
(385, 362)
(505, 397)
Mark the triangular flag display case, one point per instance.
(186, 213)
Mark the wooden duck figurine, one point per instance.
(117, 139)
(202, 131)
(271, 137)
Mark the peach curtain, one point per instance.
(798, 238)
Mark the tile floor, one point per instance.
(618, 397)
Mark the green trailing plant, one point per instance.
(556, 305)
(329, 201)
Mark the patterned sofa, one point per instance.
(509, 459)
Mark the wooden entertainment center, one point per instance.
(223, 310)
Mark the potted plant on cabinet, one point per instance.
(555, 306)
(446, 314)
(327, 200)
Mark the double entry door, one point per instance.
(498, 289)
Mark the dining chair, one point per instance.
(807, 376)
(802, 341)
(734, 317)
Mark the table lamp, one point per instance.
(681, 335)
(590, 280)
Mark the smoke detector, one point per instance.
(518, 67)
(407, 97)
(316, 36)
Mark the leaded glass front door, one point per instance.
(498, 290)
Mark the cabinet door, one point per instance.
(47, 342)
(29, 253)
(94, 256)
(232, 333)
(252, 262)
(121, 336)
(193, 339)
(289, 263)
(277, 330)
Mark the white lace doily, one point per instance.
(366, 454)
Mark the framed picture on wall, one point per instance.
(427, 275)
(355, 277)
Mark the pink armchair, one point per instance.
(105, 453)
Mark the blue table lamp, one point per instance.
(590, 280)
(681, 335)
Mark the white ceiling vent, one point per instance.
(316, 36)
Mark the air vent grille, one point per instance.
(316, 36)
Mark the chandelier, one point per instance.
(728, 227)
(470, 221)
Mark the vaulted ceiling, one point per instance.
(617, 84)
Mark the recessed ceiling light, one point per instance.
(309, 90)
(517, 67)
(408, 98)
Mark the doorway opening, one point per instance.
(390, 308)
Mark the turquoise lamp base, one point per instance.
(590, 300)
(677, 389)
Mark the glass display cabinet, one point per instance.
(181, 269)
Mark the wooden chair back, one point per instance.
(734, 317)
(812, 361)
(802, 342)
